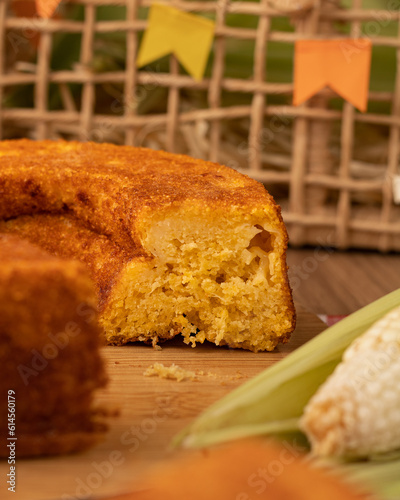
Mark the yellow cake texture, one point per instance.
(174, 245)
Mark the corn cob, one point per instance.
(356, 412)
(273, 401)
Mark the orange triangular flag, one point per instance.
(46, 8)
(344, 65)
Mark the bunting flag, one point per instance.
(343, 65)
(187, 36)
(46, 8)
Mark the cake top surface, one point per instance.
(151, 174)
(108, 186)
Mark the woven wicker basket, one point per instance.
(331, 168)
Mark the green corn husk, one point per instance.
(379, 475)
(382, 478)
(273, 401)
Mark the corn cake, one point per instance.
(175, 245)
(50, 363)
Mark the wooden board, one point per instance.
(152, 411)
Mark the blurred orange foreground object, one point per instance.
(244, 470)
(344, 65)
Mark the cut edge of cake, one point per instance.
(216, 274)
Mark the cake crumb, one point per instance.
(155, 344)
(173, 372)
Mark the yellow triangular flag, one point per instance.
(188, 36)
(46, 8)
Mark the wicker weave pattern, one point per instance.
(328, 199)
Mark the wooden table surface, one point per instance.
(324, 282)
(333, 282)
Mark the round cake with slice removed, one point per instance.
(50, 364)
(175, 245)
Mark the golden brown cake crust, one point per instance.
(107, 186)
(49, 350)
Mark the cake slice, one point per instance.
(174, 245)
(50, 363)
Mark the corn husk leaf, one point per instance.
(379, 475)
(273, 401)
(383, 478)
